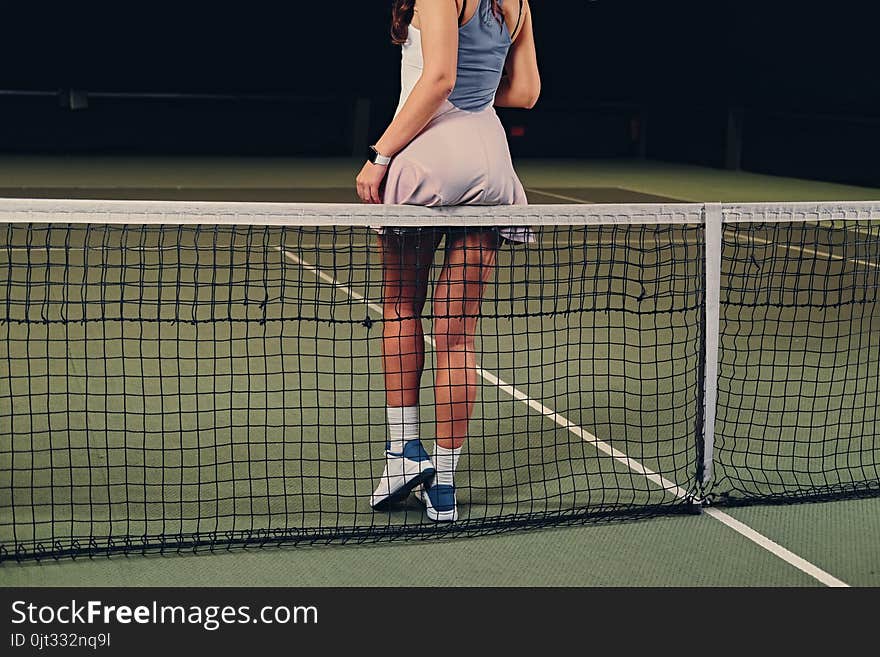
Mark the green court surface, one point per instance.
(202, 422)
(682, 182)
(839, 538)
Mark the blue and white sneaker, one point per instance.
(439, 501)
(403, 472)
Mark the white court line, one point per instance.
(574, 199)
(822, 254)
(737, 526)
(561, 197)
(771, 546)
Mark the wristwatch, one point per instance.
(374, 157)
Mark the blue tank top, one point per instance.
(483, 44)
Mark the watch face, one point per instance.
(371, 154)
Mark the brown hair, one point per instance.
(402, 15)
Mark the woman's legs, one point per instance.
(406, 261)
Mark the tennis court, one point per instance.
(540, 430)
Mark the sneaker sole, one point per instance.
(403, 492)
(434, 514)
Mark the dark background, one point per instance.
(788, 88)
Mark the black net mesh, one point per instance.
(799, 367)
(168, 386)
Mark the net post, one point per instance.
(713, 217)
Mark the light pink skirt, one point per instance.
(460, 158)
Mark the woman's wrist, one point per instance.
(375, 156)
(382, 149)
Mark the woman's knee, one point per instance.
(478, 261)
(452, 334)
(398, 311)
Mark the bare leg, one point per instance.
(470, 261)
(406, 262)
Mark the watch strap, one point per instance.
(376, 158)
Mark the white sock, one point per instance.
(403, 426)
(445, 462)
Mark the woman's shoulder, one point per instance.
(513, 11)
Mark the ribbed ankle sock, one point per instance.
(403, 426)
(445, 462)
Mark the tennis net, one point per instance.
(178, 375)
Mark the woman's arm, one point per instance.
(439, 31)
(521, 84)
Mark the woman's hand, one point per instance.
(369, 180)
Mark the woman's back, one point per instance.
(433, 152)
(484, 41)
